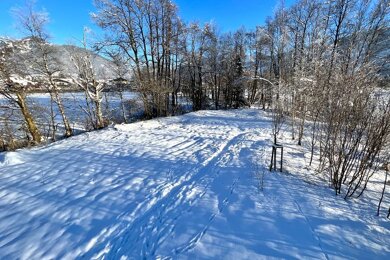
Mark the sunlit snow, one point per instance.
(182, 187)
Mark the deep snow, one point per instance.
(181, 187)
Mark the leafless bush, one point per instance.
(258, 169)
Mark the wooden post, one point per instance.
(273, 157)
(281, 161)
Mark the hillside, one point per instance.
(64, 53)
(60, 58)
(181, 187)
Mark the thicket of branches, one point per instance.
(319, 62)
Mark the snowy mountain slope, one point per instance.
(105, 68)
(60, 58)
(182, 187)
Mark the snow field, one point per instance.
(182, 187)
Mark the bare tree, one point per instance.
(386, 167)
(14, 84)
(44, 64)
(88, 81)
(147, 33)
(121, 72)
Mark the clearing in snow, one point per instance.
(180, 187)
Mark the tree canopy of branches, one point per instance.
(318, 62)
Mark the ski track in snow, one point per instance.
(180, 187)
(172, 205)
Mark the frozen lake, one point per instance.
(75, 107)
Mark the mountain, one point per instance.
(105, 68)
(26, 57)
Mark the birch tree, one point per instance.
(14, 84)
(88, 81)
(45, 65)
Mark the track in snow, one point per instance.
(180, 187)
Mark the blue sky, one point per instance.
(68, 17)
(229, 14)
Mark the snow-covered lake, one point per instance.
(182, 187)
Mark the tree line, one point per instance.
(321, 63)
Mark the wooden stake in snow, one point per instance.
(273, 157)
(386, 168)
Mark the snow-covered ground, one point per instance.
(185, 187)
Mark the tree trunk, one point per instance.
(52, 119)
(31, 126)
(68, 129)
(383, 193)
(301, 128)
(123, 107)
(99, 114)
